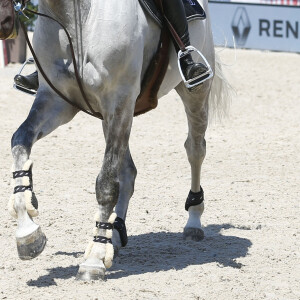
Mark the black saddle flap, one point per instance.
(193, 10)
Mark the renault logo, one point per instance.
(241, 26)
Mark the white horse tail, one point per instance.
(220, 93)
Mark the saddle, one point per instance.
(147, 100)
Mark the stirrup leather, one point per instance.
(190, 83)
(21, 87)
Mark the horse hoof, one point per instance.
(193, 234)
(89, 273)
(32, 245)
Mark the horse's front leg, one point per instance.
(127, 177)
(99, 253)
(46, 114)
(196, 107)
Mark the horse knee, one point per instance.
(23, 136)
(107, 190)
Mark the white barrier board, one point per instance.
(256, 26)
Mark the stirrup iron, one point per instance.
(21, 87)
(198, 79)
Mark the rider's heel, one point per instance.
(193, 74)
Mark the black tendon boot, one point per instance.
(29, 82)
(196, 73)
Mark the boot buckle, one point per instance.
(22, 88)
(190, 83)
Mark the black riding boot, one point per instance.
(29, 82)
(175, 12)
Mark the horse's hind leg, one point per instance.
(196, 107)
(46, 114)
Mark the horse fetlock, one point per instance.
(94, 251)
(193, 229)
(195, 213)
(23, 185)
(117, 243)
(31, 203)
(196, 210)
(101, 247)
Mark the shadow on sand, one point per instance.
(163, 251)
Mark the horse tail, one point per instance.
(220, 93)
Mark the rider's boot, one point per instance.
(29, 82)
(175, 12)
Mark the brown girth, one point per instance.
(147, 99)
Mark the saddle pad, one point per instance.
(193, 10)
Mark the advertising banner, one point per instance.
(256, 26)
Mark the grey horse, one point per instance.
(114, 42)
